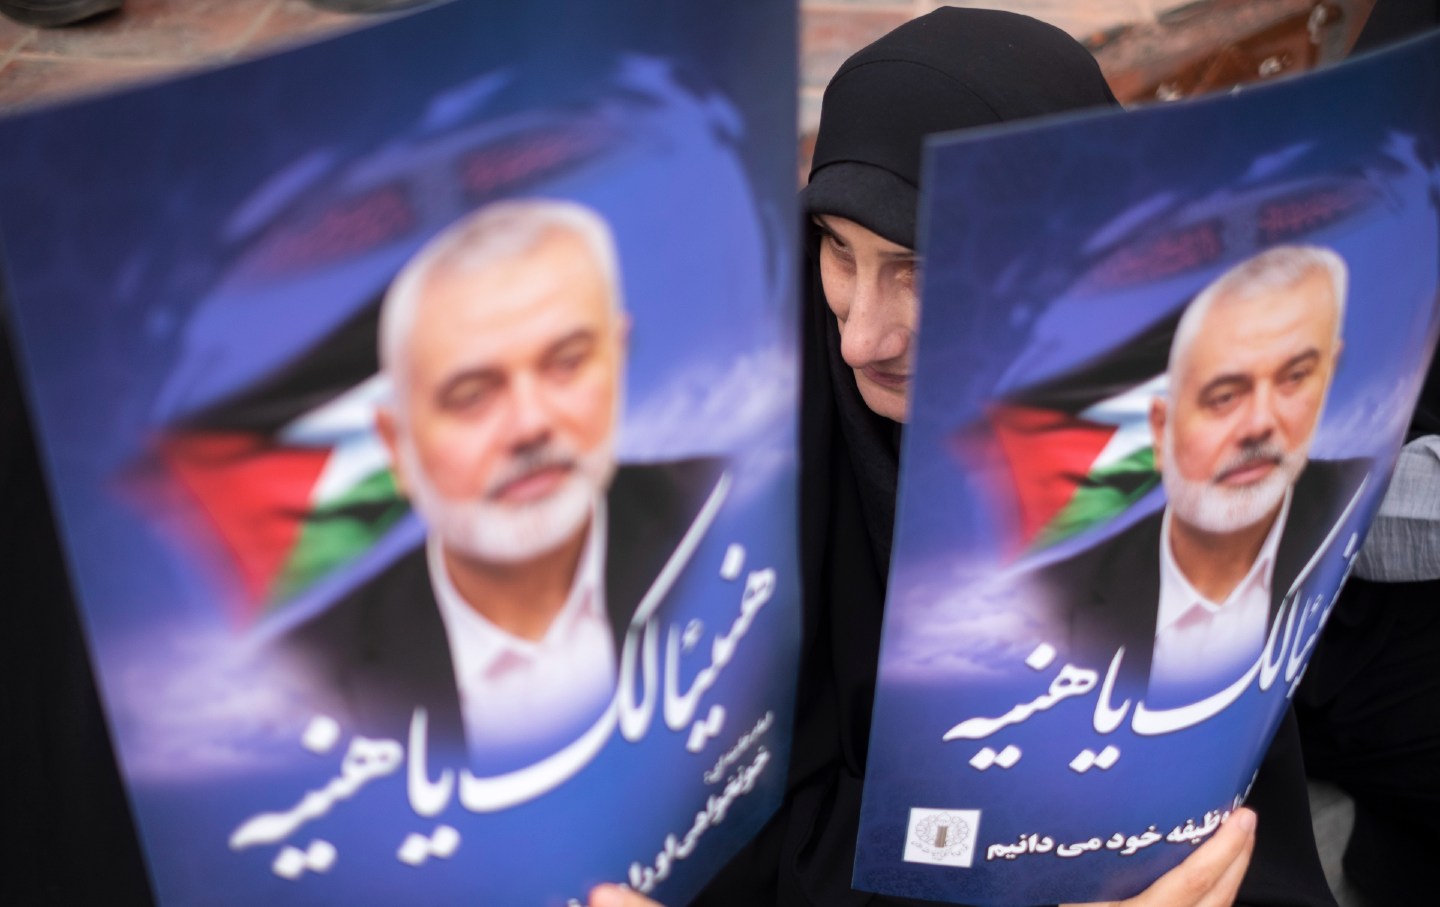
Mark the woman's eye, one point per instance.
(837, 250)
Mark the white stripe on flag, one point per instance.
(1130, 414)
(350, 414)
(353, 460)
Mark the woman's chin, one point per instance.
(890, 402)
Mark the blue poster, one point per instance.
(1166, 361)
(419, 407)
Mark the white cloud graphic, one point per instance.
(958, 625)
(191, 706)
(1380, 409)
(742, 411)
(713, 409)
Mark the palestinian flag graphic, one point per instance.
(1077, 449)
(289, 480)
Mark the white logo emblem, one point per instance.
(942, 837)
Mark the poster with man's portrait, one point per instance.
(420, 408)
(1167, 358)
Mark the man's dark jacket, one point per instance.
(1110, 593)
(382, 651)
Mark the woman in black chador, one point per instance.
(951, 69)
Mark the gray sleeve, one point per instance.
(1404, 541)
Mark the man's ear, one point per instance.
(389, 431)
(1158, 413)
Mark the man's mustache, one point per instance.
(528, 462)
(1251, 455)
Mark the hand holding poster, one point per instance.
(1166, 360)
(429, 497)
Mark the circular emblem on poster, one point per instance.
(941, 835)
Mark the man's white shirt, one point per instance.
(1201, 646)
(516, 691)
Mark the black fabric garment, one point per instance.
(850, 468)
(1395, 20)
(69, 836)
(1426, 419)
(951, 69)
(1369, 711)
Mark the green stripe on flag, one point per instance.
(1102, 495)
(338, 531)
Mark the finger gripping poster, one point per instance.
(419, 406)
(1166, 360)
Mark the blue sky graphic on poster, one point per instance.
(1014, 759)
(195, 314)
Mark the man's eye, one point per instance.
(569, 357)
(1296, 375)
(1220, 400)
(567, 364)
(468, 393)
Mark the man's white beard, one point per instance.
(1217, 508)
(493, 532)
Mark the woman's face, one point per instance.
(869, 284)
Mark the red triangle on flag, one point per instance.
(1049, 454)
(255, 494)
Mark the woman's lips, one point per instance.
(885, 379)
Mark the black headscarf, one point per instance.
(951, 69)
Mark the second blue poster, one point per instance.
(1166, 360)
